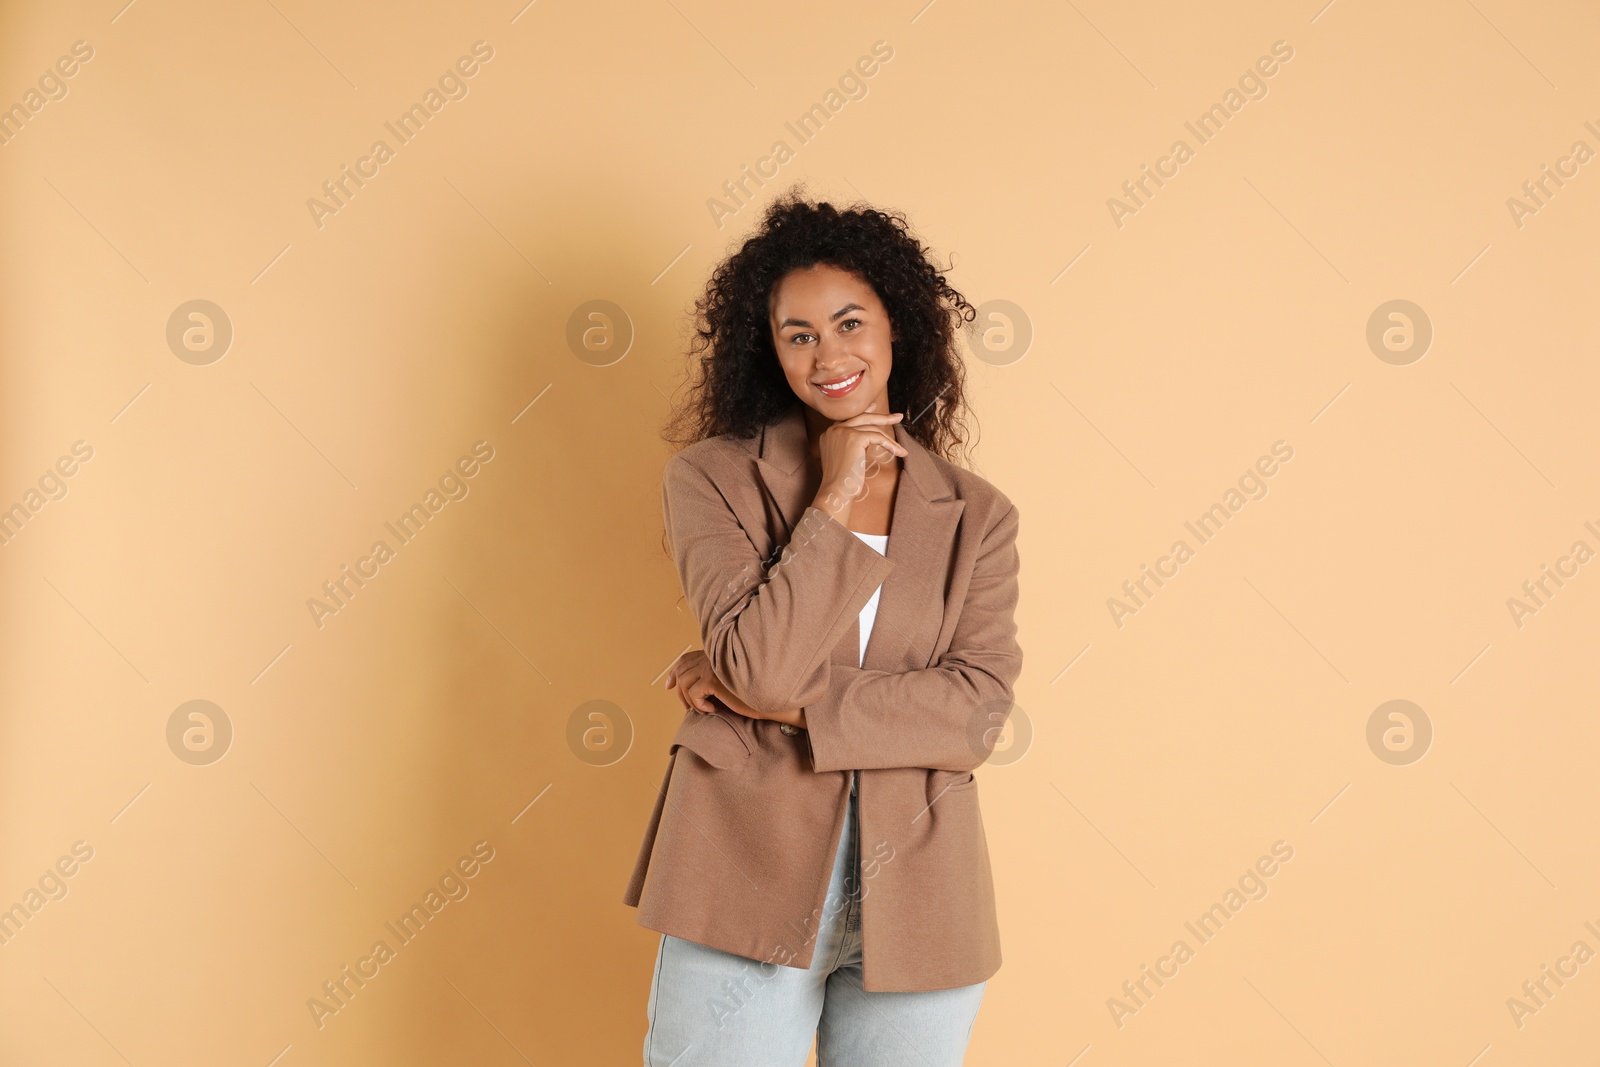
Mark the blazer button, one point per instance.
(788, 729)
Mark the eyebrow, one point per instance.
(832, 318)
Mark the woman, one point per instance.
(816, 861)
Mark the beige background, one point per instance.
(430, 312)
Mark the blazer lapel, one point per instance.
(922, 534)
(922, 531)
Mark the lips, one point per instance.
(842, 387)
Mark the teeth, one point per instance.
(845, 384)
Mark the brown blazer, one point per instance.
(740, 845)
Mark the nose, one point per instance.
(830, 354)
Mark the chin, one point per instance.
(839, 410)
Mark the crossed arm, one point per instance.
(769, 634)
(701, 690)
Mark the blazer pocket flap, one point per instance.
(942, 782)
(713, 738)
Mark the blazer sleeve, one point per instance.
(767, 631)
(942, 717)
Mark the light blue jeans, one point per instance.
(710, 1008)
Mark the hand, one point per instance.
(845, 448)
(699, 689)
(696, 683)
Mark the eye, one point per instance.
(848, 322)
(793, 338)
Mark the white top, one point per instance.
(870, 612)
(868, 615)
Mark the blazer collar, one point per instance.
(922, 529)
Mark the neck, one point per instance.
(815, 425)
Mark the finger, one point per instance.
(888, 442)
(708, 696)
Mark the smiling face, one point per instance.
(830, 329)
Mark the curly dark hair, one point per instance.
(741, 386)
